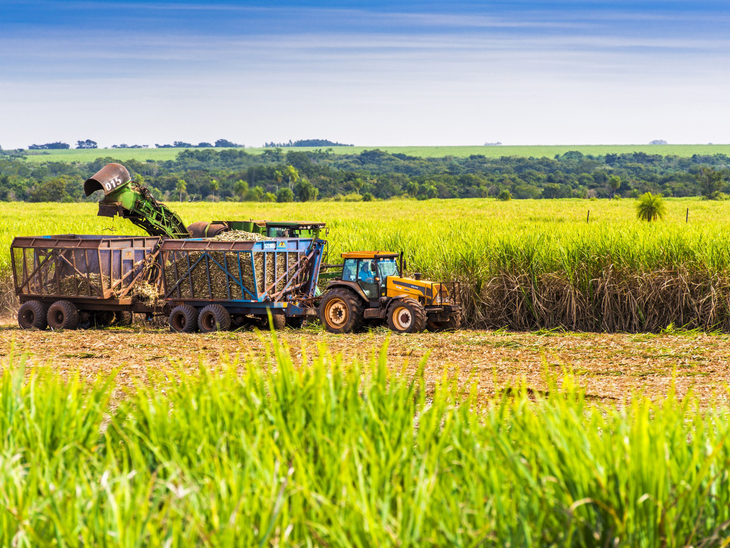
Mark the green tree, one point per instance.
(614, 182)
(504, 195)
(367, 197)
(285, 195)
(292, 174)
(256, 194)
(240, 189)
(306, 191)
(269, 197)
(53, 190)
(214, 186)
(181, 188)
(711, 183)
(650, 207)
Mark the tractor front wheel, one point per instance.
(452, 324)
(340, 311)
(407, 316)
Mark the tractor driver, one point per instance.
(367, 272)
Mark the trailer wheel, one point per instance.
(295, 322)
(407, 316)
(183, 319)
(63, 315)
(214, 317)
(340, 311)
(278, 322)
(452, 324)
(123, 318)
(32, 314)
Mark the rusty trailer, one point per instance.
(70, 281)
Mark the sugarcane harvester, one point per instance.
(128, 199)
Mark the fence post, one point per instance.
(686, 220)
(588, 217)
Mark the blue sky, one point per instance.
(375, 73)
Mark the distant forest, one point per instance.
(279, 175)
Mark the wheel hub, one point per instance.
(403, 318)
(337, 313)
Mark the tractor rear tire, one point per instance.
(214, 317)
(32, 314)
(452, 324)
(63, 315)
(341, 311)
(406, 316)
(183, 319)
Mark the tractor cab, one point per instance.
(370, 270)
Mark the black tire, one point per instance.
(278, 322)
(124, 318)
(295, 323)
(183, 319)
(406, 316)
(341, 311)
(214, 317)
(32, 314)
(452, 324)
(63, 315)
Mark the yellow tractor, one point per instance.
(371, 289)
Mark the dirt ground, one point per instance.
(609, 366)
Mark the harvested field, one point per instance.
(610, 366)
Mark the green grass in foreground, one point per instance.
(162, 154)
(269, 453)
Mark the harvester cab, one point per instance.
(371, 288)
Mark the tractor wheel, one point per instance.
(214, 317)
(62, 315)
(341, 311)
(452, 324)
(32, 314)
(183, 319)
(407, 316)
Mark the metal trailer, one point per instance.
(71, 281)
(211, 285)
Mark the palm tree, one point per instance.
(650, 207)
(181, 187)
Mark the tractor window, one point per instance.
(349, 270)
(388, 267)
(366, 274)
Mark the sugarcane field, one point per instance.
(490, 309)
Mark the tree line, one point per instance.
(280, 175)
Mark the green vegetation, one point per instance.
(523, 264)
(650, 207)
(210, 174)
(267, 452)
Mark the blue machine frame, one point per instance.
(246, 277)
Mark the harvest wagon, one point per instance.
(71, 281)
